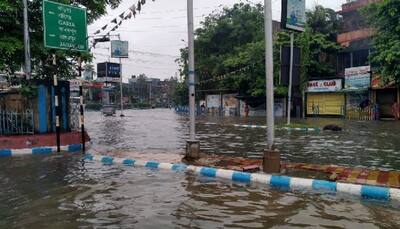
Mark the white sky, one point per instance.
(155, 35)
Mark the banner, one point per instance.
(293, 15)
(119, 49)
(357, 78)
(324, 85)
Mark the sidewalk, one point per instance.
(363, 176)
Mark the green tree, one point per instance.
(231, 44)
(385, 17)
(11, 38)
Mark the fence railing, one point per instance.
(13, 123)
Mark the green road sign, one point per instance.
(65, 26)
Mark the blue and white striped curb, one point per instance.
(281, 182)
(41, 150)
(282, 128)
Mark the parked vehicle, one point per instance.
(109, 110)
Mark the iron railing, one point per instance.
(14, 123)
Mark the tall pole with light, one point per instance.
(269, 77)
(192, 146)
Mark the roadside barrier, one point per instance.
(275, 181)
(41, 150)
(279, 128)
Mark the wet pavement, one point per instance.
(65, 192)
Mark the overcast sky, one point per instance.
(155, 35)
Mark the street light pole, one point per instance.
(192, 146)
(120, 83)
(191, 69)
(290, 78)
(271, 159)
(269, 72)
(28, 68)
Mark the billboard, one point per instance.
(324, 85)
(119, 49)
(108, 72)
(293, 15)
(357, 78)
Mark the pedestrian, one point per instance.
(246, 110)
(395, 110)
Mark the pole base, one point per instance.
(272, 161)
(192, 150)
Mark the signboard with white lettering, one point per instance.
(357, 78)
(293, 15)
(119, 49)
(65, 27)
(324, 85)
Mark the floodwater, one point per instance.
(66, 192)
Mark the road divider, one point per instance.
(41, 150)
(275, 181)
(279, 128)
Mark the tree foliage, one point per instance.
(12, 37)
(384, 16)
(233, 39)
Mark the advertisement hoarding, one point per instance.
(357, 78)
(119, 49)
(293, 15)
(324, 85)
(108, 72)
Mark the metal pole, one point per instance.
(120, 81)
(81, 107)
(269, 73)
(191, 70)
(28, 68)
(290, 79)
(57, 105)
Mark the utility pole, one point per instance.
(120, 82)
(269, 72)
(192, 146)
(28, 68)
(290, 78)
(271, 159)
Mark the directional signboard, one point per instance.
(65, 27)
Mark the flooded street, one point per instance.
(65, 192)
(364, 143)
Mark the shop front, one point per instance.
(356, 86)
(386, 96)
(325, 98)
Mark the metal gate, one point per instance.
(14, 123)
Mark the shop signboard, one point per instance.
(333, 85)
(357, 78)
(64, 26)
(293, 15)
(74, 85)
(119, 49)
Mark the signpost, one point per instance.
(293, 18)
(64, 27)
(120, 49)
